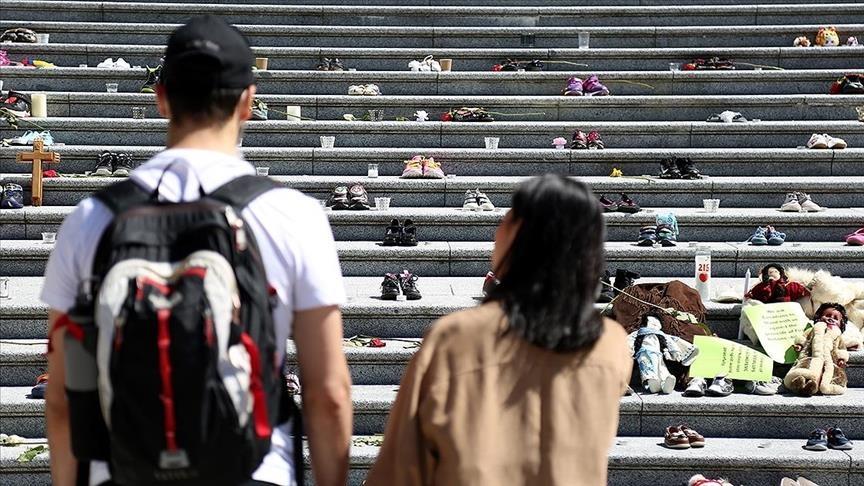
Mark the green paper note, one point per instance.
(723, 357)
(777, 326)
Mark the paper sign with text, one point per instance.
(723, 357)
(777, 326)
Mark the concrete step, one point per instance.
(550, 106)
(22, 258)
(23, 316)
(153, 12)
(735, 162)
(446, 37)
(633, 461)
(484, 82)
(738, 415)
(422, 3)
(472, 59)
(697, 134)
(453, 224)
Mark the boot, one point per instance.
(606, 292)
(624, 279)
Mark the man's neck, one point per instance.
(218, 138)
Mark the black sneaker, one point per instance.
(409, 234)
(409, 285)
(153, 74)
(358, 198)
(336, 65)
(838, 440)
(606, 292)
(669, 169)
(338, 198)
(122, 165)
(105, 166)
(535, 65)
(16, 103)
(687, 168)
(391, 287)
(624, 279)
(393, 234)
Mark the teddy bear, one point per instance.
(822, 355)
(824, 287)
(651, 348)
(827, 37)
(802, 41)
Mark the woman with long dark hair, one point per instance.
(523, 389)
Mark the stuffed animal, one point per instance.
(827, 37)
(651, 348)
(852, 41)
(421, 116)
(802, 41)
(822, 355)
(825, 287)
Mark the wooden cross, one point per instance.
(37, 157)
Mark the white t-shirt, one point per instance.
(292, 233)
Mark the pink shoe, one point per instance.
(593, 87)
(856, 238)
(4, 59)
(413, 168)
(432, 169)
(574, 87)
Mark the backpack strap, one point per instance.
(122, 196)
(239, 192)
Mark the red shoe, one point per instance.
(595, 142)
(580, 141)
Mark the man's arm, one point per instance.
(63, 465)
(326, 392)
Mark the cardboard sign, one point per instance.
(777, 326)
(723, 357)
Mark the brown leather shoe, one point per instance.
(675, 438)
(695, 438)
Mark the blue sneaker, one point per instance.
(26, 139)
(837, 440)
(775, 238)
(12, 197)
(760, 237)
(818, 441)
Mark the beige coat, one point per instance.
(480, 407)
(816, 368)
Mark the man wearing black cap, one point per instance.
(206, 91)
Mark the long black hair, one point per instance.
(550, 276)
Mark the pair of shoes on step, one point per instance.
(364, 90)
(401, 286)
(678, 168)
(12, 196)
(420, 167)
(767, 236)
(476, 201)
(112, 164)
(682, 437)
(664, 231)
(592, 141)
(798, 202)
(801, 481)
(623, 205)
(720, 387)
(354, 198)
(830, 438)
(590, 87)
(400, 233)
(825, 141)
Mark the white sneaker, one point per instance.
(807, 204)
(106, 64)
(414, 65)
(721, 387)
(696, 388)
(834, 143)
(791, 204)
(121, 64)
(763, 387)
(355, 89)
(818, 141)
(484, 202)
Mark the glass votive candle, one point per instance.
(49, 238)
(492, 142)
(382, 203)
(373, 171)
(262, 171)
(327, 142)
(111, 87)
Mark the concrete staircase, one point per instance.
(653, 113)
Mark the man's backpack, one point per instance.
(172, 373)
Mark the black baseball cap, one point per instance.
(207, 54)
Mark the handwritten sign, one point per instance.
(777, 326)
(723, 357)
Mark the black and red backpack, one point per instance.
(171, 368)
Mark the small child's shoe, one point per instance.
(760, 237)
(413, 168)
(432, 169)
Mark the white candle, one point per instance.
(39, 105)
(293, 113)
